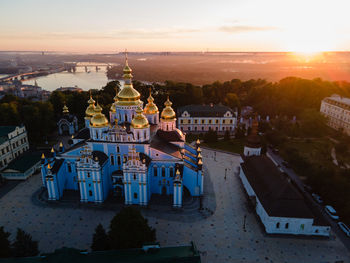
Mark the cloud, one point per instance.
(112, 35)
(244, 28)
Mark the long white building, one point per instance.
(202, 118)
(281, 208)
(337, 110)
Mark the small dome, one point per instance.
(90, 110)
(168, 113)
(65, 109)
(139, 121)
(150, 107)
(99, 119)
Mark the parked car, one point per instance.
(317, 198)
(331, 212)
(345, 228)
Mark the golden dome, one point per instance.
(112, 108)
(139, 121)
(98, 119)
(90, 110)
(168, 113)
(150, 107)
(65, 109)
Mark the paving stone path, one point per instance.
(218, 230)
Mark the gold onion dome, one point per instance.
(150, 107)
(139, 121)
(128, 95)
(168, 113)
(65, 109)
(90, 110)
(99, 119)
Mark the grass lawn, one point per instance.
(235, 145)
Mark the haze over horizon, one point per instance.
(111, 26)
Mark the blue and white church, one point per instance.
(134, 155)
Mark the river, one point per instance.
(84, 80)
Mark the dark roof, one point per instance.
(83, 134)
(101, 156)
(197, 110)
(170, 136)
(146, 157)
(276, 194)
(68, 117)
(57, 165)
(25, 161)
(5, 130)
(164, 146)
(186, 254)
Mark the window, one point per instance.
(302, 226)
(3, 151)
(88, 175)
(171, 171)
(216, 128)
(90, 193)
(202, 121)
(134, 176)
(155, 171)
(163, 171)
(96, 135)
(195, 128)
(278, 225)
(216, 121)
(118, 159)
(209, 121)
(135, 195)
(7, 149)
(144, 135)
(189, 128)
(181, 121)
(202, 128)
(230, 121)
(112, 160)
(69, 168)
(195, 121)
(126, 118)
(287, 225)
(118, 149)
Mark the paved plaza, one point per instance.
(220, 237)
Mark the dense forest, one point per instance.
(288, 97)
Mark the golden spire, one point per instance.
(90, 110)
(48, 166)
(199, 149)
(200, 162)
(139, 121)
(65, 109)
(52, 150)
(150, 107)
(198, 141)
(199, 156)
(177, 172)
(168, 113)
(61, 144)
(99, 119)
(42, 156)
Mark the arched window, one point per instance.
(96, 135)
(163, 171)
(287, 225)
(126, 117)
(155, 171)
(171, 171)
(90, 193)
(118, 149)
(278, 225)
(145, 135)
(138, 136)
(167, 127)
(118, 159)
(112, 160)
(134, 176)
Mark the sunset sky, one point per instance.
(159, 25)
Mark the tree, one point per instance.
(211, 136)
(129, 229)
(100, 240)
(5, 247)
(24, 246)
(227, 135)
(313, 123)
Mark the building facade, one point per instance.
(202, 118)
(281, 208)
(337, 110)
(13, 142)
(133, 156)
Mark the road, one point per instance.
(340, 234)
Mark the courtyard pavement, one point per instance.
(218, 232)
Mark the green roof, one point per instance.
(4, 130)
(185, 254)
(24, 162)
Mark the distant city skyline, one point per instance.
(112, 26)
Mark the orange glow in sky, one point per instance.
(191, 25)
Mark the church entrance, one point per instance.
(164, 190)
